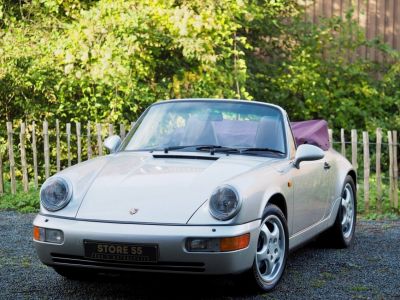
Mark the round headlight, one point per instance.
(224, 203)
(55, 193)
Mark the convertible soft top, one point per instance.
(314, 132)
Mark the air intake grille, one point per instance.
(159, 266)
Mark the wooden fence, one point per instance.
(62, 147)
(379, 18)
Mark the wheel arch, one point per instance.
(353, 175)
(279, 200)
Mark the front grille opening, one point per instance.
(159, 266)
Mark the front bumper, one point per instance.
(173, 256)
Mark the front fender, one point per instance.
(81, 177)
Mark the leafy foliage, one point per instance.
(81, 60)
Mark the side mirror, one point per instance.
(112, 143)
(307, 152)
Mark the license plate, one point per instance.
(143, 253)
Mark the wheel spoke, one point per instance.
(262, 255)
(270, 266)
(275, 232)
(348, 197)
(266, 231)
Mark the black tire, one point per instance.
(253, 277)
(74, 273)
(337, 236)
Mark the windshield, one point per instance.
(182, 124)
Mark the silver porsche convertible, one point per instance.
(199, 186)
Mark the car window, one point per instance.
(227, 124)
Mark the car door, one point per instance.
(311, 193)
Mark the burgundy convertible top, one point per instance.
(314, 132)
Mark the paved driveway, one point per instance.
(369, 269)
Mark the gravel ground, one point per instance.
(369, 269)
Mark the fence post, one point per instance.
(330, 134)
(354, 149)
(122, 131)
(68, 128)
(99, 142)
(11, 157)
(24, 166)
(343, 143)
(78, 140)
(58, 146)
(110, 129)
(395, 171)
(46, 149)
(34, 152)
(89, 142)
(1, 174)
(390, 144)
(378, 170)
(366, 170)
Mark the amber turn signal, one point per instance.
(36, 233)
(234, 243)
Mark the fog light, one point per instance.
(203, 245)
(48, 235)
(54, 236)
(218, 244)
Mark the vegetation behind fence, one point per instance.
(32, 152)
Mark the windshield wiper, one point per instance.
(218, 148)
(244, 150)
(211, 148)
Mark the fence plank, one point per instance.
(380, 26)
(34, 153)
(122, 131)
(366, 170)
(78, 140)
(68, 130)
(58, 152)
(362, 20)
(99, 141)
(1, 174)
(337, 7)
(343, 142)
(390, 144)
(11, 157)
(371, 26)
(389, 24)
(24, 166)
(396, 25)
(319, 10)
(378, 170)
(46, 149)
(327, 8)
(89, 141)
(330, 137)
(395, 171)
(354, 149)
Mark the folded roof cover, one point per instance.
(314, 132)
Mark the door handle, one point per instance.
(327, 166)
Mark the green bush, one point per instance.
(81, 60)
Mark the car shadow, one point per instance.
(157, 285)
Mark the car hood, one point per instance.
(140, 188)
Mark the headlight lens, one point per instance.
(55, 193)
(224, 203)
